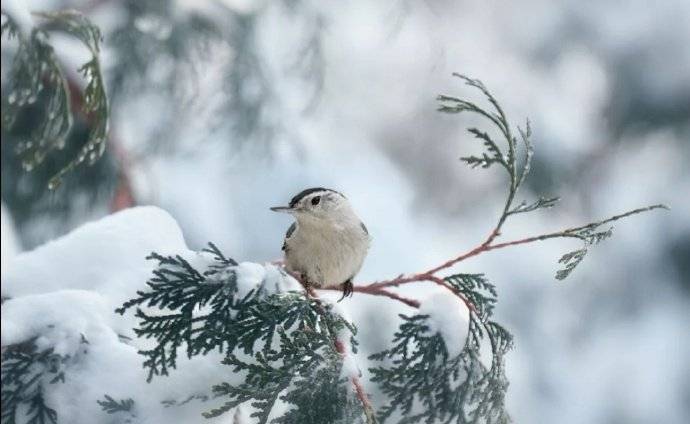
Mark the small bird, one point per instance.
(328, 242)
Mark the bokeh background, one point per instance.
(221, 109)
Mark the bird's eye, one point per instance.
(315, 200)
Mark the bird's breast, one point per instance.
(327, 257)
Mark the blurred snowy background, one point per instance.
(224, 108)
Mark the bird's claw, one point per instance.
(348, 289)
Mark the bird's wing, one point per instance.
(290, 230)
(364, 227)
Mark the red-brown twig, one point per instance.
(356, 383)
(381, 288)
(378, 291)
(378, 288)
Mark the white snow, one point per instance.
(57, 319)
(106, 256)
(64, 293)
(448, 316)
(267, 277)
(350, 367)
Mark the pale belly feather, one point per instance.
(330, 259)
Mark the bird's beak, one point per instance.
(285, 209)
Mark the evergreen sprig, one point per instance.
(26, 370)
(174, 402)
(180, 289)
(123, 408)
(306, 362)
(507, 159)
(459, 388)
(37, 73)
(477, 290)
(541, 203)
(517, 172)
(456, 389)
(289, 338)
(113, 406)
(590, 234)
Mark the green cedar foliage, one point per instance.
(284, 343)
(49, 124)
(123, 409)
(37, 73)
(27, 373)
(518, 169)
(458, 388)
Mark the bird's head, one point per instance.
(317, 204)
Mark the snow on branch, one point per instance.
(288, 344)
(25, 372)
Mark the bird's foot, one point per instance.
(348, 289)
(308, 285)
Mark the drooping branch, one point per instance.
(37, 73)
